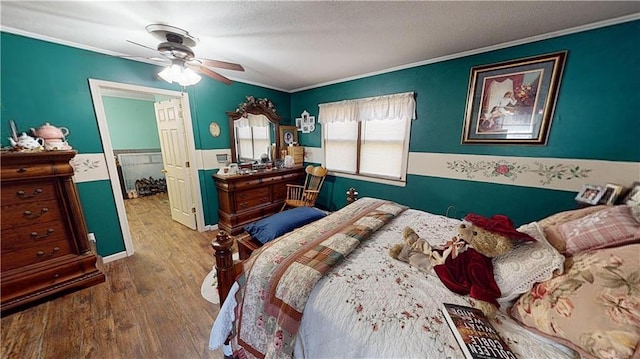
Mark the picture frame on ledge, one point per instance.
(590, 194)
(633, 195)
(611, 193)
(513, 102)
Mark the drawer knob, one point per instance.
(31, 214)
(244, 205)
(36, 235)
(53, 252)
(23, 194)
(56, 276)
(22, 169)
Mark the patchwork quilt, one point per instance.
(278, 279)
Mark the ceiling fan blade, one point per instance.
(214, 75)
(145, 46)
(221, 64)
(149, 60)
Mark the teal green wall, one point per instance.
(596, 117)
(132, 123)
(99, 208)
(46, 82)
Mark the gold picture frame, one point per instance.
(288, 135)
(513, 102)
(611, 193)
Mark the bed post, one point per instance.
(223, 252)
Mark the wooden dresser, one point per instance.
(44, 244)
(247, 198)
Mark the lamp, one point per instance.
(179, 73)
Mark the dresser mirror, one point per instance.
(252, 130)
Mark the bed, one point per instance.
(330, 288)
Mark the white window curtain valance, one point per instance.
(250, 120)
(392, 107)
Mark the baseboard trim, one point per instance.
(114, 257)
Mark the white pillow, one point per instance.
(527, 264)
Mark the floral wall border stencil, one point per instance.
(89, 167)
(84, 165)
(511, 170)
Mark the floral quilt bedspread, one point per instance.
(279, 276)
(373, 306)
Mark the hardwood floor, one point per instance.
(149, 307)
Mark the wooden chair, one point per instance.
(306, 195)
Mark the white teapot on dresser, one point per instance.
(27, 142)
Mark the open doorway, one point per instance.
(101, 89)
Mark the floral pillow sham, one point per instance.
(593, 308)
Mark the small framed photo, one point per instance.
(611, 193)
(288, 136)
(633, 196)
(590, 194)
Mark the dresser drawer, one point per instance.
(39, 281)
(30, 213)
(32, 170)
(27, 191)
(35, 254)
(252, 193)
(18, 238)
(279, 192)
(253, 202)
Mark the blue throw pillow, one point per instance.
(280, 223)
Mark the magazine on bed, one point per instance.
(475, 334)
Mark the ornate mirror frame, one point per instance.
(254, 108)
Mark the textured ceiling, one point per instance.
(295, 45)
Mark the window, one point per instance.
(252, 136)
(252, 142)
(368, 137)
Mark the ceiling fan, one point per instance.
(176, 46)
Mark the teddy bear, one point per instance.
(414, 250)
(464, 263)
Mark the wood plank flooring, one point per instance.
(149, 307)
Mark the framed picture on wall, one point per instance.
(288, 135)
(513, 102)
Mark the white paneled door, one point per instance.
(176, 161)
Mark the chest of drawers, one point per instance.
(44, 249)
(243, 199)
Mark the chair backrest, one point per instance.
(315, 177)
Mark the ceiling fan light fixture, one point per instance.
(180, 74)
(189, 77)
